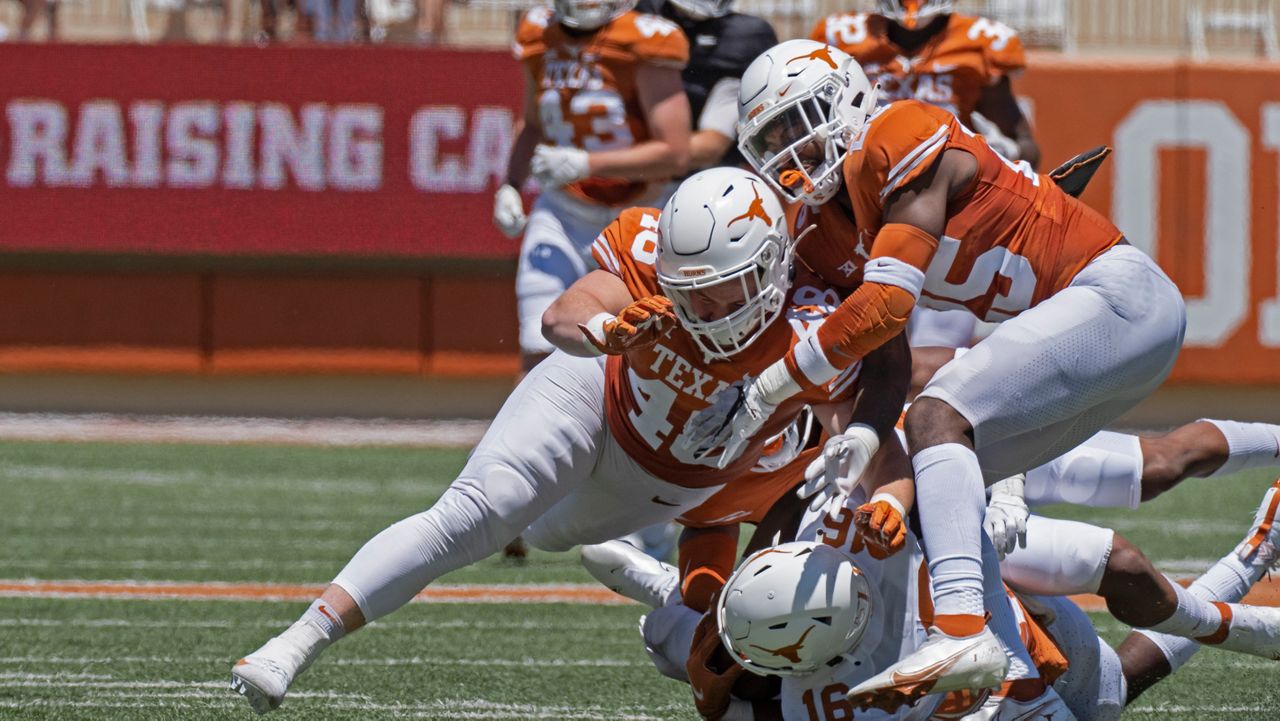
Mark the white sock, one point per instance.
(1003, 622)
(1194, 616)
(326, 619)
(1227, 580)
(951, 499)
(1252, 445)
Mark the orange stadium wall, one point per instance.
(303, 210)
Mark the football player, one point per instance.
(722, 43)
(593, 441)
(851, 643)
(1091, 325)
(605, 121)
(920, 49)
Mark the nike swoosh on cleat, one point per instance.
(936, 667)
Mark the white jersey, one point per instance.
(893, 630)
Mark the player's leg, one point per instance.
(543, 443)
(1094, 686)
(1150, 657)
(549, 263)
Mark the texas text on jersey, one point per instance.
(950, 70)
(1011, 240)
(650, 393)
(588, 97)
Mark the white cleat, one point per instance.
(629, 572)
(264, 676)
(1048, 706)
(943, 663)
(1254, 630)
(1261, 547)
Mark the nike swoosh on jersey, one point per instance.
(659, 501)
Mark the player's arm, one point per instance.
(597, 315)
(598, 293)
(882, 387)
(998, 104)
(508, 206)
(666, 110)
(717, 125)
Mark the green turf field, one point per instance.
(287, 514)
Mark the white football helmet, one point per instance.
(793, 608)
(912, 14)
(724, 229)
(589, 14)
(801, 106)
(703, 9)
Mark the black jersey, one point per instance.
(719, 48)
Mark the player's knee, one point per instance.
(1132, 586)
(932, 422)
(1127, 565)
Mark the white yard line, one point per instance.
(391, 625)
(95, 427)
(526, 662)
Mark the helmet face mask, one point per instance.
(913, 14)
(703, 9)
(589, 14)
(791, 609)
(798, 123)
(724, 259)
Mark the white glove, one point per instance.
(735, 415)
(555, 166)
(1006, 519)
(791, 442)
(843, 460)
(998, 141)
(508, 211)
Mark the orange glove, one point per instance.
(878, 527)
(707, 656)
(639, 325)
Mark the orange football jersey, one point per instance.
(750, 496)
(950, 70)
(1010, 241)
(651, 393)
(587, 96)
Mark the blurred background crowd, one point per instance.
(1193, 27)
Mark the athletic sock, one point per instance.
(1227, 580)
(326, 619)
(1251, 445)
(951, 501)
(1194, 617)
(1003, 622)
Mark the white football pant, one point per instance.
(1053, 376)
(548, 464)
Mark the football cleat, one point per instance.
(263, 677)
(943, 663)
(1260, 545)
(627, 571)
(1254, 630)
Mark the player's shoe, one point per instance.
(1254, 630)
(628, 571)
(1261, 546)
(264, 676)
(943, 663)
(1048, 706)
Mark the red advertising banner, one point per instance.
(181, 150)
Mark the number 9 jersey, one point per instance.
(587, 93)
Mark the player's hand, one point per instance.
(508, 211)
(841, 464)
(554, 166)
(999, 142)
(1007, 512)
(879, 527)
(734, 417)
(639, 325)
(711, 670)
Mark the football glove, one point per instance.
(508, 211)
(711, 671)
(554, 166)
(878, 527)
(840, 466)
(639, 325)
(1006, 519)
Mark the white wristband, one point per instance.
(595, 327)
(891, 500)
